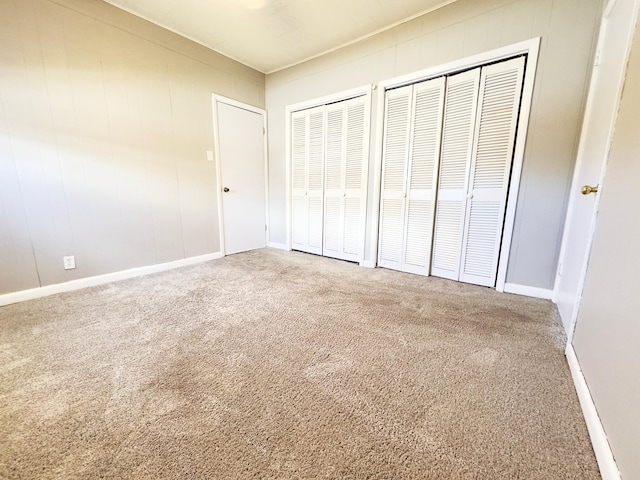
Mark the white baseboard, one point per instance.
(535, 292)
(279, 246)
(604, 455)
(368, 263)
(47, 290)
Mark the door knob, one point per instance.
(587, 189)
(225, 189)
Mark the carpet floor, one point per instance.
(282, 365)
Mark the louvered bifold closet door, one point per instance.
(345, 179)
(299, 155)
(461, 101)
(355, 178)
(424, 153)
(395, 152)
(499, 104)
(315, 178)
(308, 179)
(334, 180)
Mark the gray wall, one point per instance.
(568, 29)
(105, 120)
(608, 327)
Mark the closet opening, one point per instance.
(329, 152)
(450, 155)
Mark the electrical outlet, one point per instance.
(69, 262)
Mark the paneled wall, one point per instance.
(568, 29)
(105, 120)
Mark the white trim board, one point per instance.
(530, 48)
(604, 455)
(333, 98)
(534, 292)
(31, 294)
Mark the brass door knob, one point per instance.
(225, 189)
(587, 189)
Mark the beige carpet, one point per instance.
(284, 365)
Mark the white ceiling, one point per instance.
(269, 35)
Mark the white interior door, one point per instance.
(602, 106)
(241, 156)
(607, 329)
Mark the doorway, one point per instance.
(601, 111)
(503, 216)
(240, 132)
(447, 156)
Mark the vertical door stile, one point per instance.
(395, 152)
(422, 174)
(461, 102)
(497, 119)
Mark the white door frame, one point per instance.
(364, 90)
(529, 47)
(216, 99)
(575, 183)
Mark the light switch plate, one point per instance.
(210, 155)
(69, 262)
